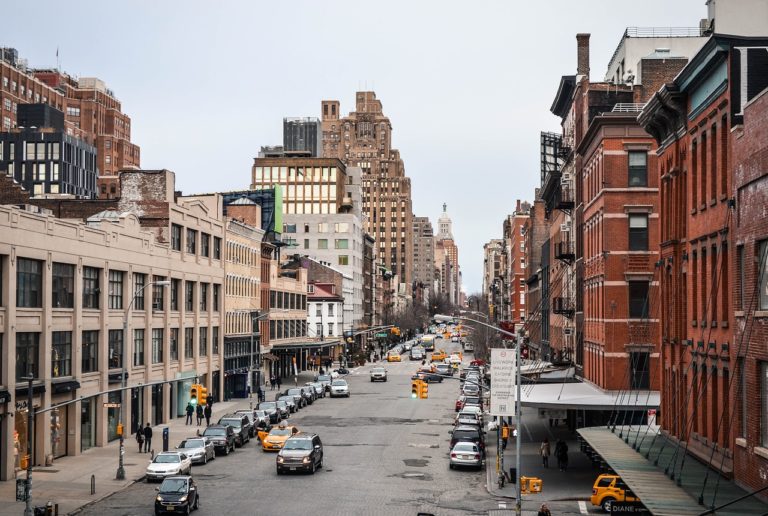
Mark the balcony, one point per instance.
(565, 250)
(563, 306)
(566, 199)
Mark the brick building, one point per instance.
(536, 233)
(514, 303)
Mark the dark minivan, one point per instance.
(240, 424)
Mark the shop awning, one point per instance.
(296, 346)
(585, 396)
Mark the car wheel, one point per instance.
(188, 510)
(450, 466)
(197, 502)
(205, 459)
(606, 503)
(226, 450)
(278, 471)
(314, 468)
(321, 463)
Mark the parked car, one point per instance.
(240, 424)
(466, 454)
(301, 452)
(460, 402)
(339, 388)
(470, 389)
(469, 418)
(467, 433)
(309, 393)
(319, 389)
(261, 421)
(275, 438)
(609, 489)
(444, 369)
(270, 407)
(324, 379)
(251, 419)
(198, 449)
(168, 463)
(298, 397)
(223, 438)
(470, 401)
(290, 401)
(177, 494)
(282, 406)
(378, 374)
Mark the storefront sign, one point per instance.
(111, 405)
(503, 377)
(628, 508)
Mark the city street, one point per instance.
(385, 453)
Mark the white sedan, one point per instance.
(339, 388)
(169, 463)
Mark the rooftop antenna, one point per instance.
(58, 62)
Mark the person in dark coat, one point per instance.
(544, 510)
(208, 412)
(190, 410)
(277, 381)
(199, 414)
(140, 437)
(272, 382)
(147, 438)
(561, 453)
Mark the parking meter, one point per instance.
(166, 435)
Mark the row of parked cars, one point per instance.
(467, 436)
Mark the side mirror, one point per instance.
(450, 432)
(157, 489)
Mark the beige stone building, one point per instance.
(80, 300)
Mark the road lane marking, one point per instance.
(583, 507)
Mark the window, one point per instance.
(191, 241)
(762, 272)
(138, 347)
(306, 228)
(342, 243)
(343, 259)
(216, 294)
(640, 370)
(330, 309)
(61, 354)
(341, 227)
(189, 340)
(204, 297)
(89, 355)
(91, 289)
(203, 341)
(175, 294)
(175, 237)
(27, 348)
(322, 227)
(306, 243)
(115, 289)
(63, 285)
(139, 282)
(174, 343)
(638, 168)
(158, 294)
(29, 283)
(289, 228)
(157, 345)
(216, 248)
(115, 357)
(638, 232)
(319, 309)
(215, 338)
(322, 243)
(319, 329)
(638, 299)
(764, 402)
(189, 296)
(205, 245)
(330, 329)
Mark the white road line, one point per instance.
(583, 507)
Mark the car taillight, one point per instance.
(594, 491)
(477, 456)
(453, 455)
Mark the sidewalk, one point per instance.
(68, 481)
(573, 484)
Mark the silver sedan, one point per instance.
(466, 455)
(199, 449)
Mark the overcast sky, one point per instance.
(467, 85)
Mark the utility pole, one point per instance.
(30, 422)
(518, 423)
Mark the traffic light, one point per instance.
(424, 391)
(203, 395)
(415, 389)
(193, 393)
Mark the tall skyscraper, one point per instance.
(302, 135)
(364, 139)
(423, 256)
(447, 258)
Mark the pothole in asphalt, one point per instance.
(355, 444)
(427, 434)
(413, 475)
(416, 463)
(423, 445)
(325, 421)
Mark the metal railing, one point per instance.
(663, 32)
(628, 107)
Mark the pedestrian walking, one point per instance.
(277, 382)
(272, 382)
(504, 435)
(190, 409)
(147, 438)
(140, 437)
(199, 414)
(561, 454)
(545, 452)
(207, 411)
(544, 510)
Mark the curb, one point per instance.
(102, 498)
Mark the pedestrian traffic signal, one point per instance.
(203, 395)
(194, 391)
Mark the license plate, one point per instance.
(293, 469)
(170, 508)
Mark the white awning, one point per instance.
(585, 396)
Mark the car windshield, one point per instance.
(281, 403)
(268, 405)
(294, 391)
(468, 415)
(280, 431)
(465, 447)
(192, 443)
(286, 399)
(339, 383)
(323, 378)
(166, 459)
(377, 370)
(174, 485)
(215, 431)
(260, 413)
(298, 444)
(236, 423)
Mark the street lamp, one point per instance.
(124, 376)
(518, 404)
(254, 320)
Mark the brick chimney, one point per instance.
(582, 54)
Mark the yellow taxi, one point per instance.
(439, 356)
(609, 489)
(393, 357)
(275, 439)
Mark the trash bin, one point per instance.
(166, 435)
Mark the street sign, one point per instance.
(503, 376)
(381, 335)
(111, 405)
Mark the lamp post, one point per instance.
(124, 377)
(30, 421)
(518, 404)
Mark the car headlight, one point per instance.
(280, 459)
(183, 498)
(159, 498)
(305, 460)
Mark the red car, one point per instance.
(480, 363)
(460, 402)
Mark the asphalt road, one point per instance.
(385, 454)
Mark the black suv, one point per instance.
(301, 452)
(240, 424)
(467, 433)
(222, 436)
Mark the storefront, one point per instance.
(113, 414)
(59, 429)
(181, 392)
(87, 423)
(157, 404)
(137, 409)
